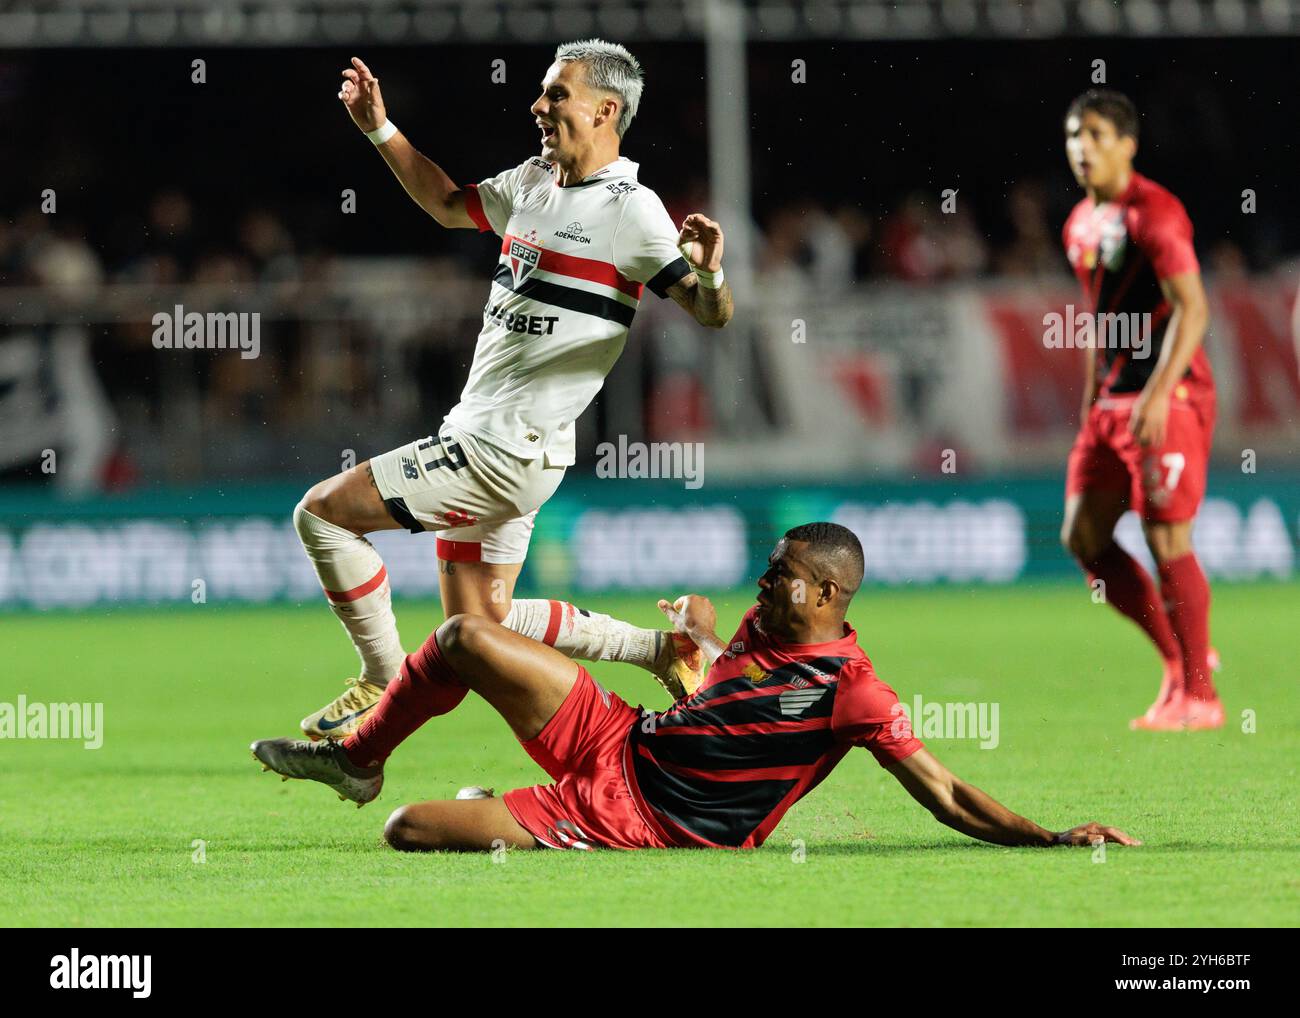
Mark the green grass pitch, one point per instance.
(110, 836)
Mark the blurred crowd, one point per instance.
(143, 398)
(167, 244)
(314, 361)
(831, 246)
(921, 241)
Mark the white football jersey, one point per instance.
(574, 261)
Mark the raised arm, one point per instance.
(424, 180)
(966, 809)
(707, 300)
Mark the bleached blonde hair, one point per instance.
(610, 68)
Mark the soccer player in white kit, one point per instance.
(581, 239)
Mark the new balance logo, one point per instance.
(796, 701)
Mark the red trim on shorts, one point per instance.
(459, 551)
(372, 584)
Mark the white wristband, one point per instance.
(382, 133)
(708, 280)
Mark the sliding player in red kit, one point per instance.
(786, 699)
(1149, 404)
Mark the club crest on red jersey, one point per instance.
(524, 255)
(1101, 236)
(1112, 239)
(755, 674)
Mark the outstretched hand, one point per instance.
(360, 94)
(1091, 833)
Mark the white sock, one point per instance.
(356, 586)
(587, 636)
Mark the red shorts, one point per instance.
(590, 804)
(1165, 483)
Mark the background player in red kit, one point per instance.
(1148, 414)
(786, 699)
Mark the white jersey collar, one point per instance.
(620, 167)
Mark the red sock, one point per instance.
(425, 688)
(1130, 590)
(1187, 595)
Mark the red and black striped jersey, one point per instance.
(721, 767)
(1120, 251)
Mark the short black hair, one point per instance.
(836, 551)
(1114, 106)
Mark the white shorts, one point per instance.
(480, 500)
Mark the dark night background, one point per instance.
(875, 121)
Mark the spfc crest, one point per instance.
(523, 258)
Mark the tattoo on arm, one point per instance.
(371, 474)
(713, 308)
(683, 293)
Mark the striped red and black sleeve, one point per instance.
(867, 713)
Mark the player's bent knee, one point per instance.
(1081, 540)
(461, 636)
(307, 507)
(1074, 539)
(404, 834)
(340, 501)
(322, 500)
